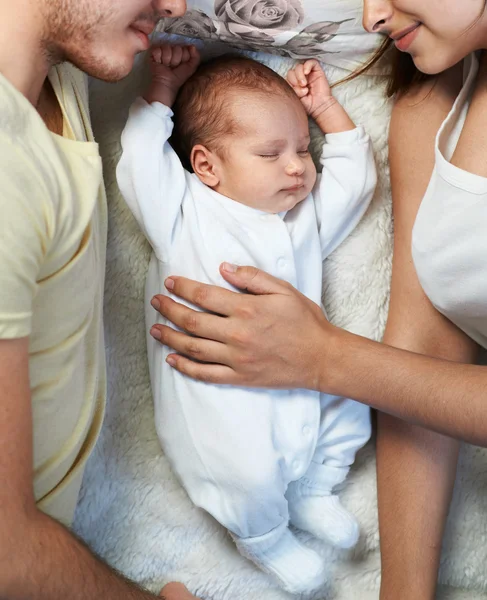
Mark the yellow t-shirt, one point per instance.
(52, 261)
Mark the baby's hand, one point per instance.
(311, 86)
(171, 66)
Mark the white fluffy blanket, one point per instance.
(132, 510)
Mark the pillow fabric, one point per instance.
(328, 30)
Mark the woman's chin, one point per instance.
(433, 65)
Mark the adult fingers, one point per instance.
(254, 280)
(193, 347)
(212, 298)
(209, 373)
(176, 591)
(202, 324)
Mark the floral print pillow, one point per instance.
(329, 30)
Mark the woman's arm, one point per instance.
(274, 337)
(415, 467)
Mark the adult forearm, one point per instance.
(415, 475)
(41, 560)
(443, 396)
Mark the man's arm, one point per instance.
(39, 558)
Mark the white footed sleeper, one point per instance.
(236, 450)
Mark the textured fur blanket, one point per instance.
(132, 510)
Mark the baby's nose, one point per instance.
(295, 167)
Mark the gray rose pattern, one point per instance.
(194, 24)
(261, 14)
(250, 25)
(307, 44)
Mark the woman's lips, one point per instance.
(404, 40)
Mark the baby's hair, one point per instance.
(202, 109)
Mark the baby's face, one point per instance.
(266, 164)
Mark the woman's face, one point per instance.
(437, 33)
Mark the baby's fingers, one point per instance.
(177, 55)
(301, 75)
(311, 65)
(291, 78)
(301, 92)
(166, 55)
(185, 55)
(156, 54)
(194, 55)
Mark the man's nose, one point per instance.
(377, 13)
(170, 8)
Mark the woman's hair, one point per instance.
(403, 71)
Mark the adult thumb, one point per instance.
(176, 591)
(253, 280)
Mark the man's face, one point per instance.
(102, 37)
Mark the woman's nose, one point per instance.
(171, 8)
(377, 13)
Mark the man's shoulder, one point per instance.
(16, 112)
(24, 141)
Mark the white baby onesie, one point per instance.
(236, 450)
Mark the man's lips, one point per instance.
(143, 31)
(145, 28)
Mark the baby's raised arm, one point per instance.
(150, 175)
(171, 66)
(347, 183)
(311, 86)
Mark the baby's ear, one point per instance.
(204, 165)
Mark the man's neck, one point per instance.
(24, 62)
(22, 59)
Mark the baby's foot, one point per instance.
(297, 568)
(325, 518)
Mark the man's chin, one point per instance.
(109, 71)
(111, 75)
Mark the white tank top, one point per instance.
(449, 243)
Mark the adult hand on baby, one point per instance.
(176, 591)
(171, 66)
(272, 336)
(311, 86)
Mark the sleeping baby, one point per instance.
(257, 460)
